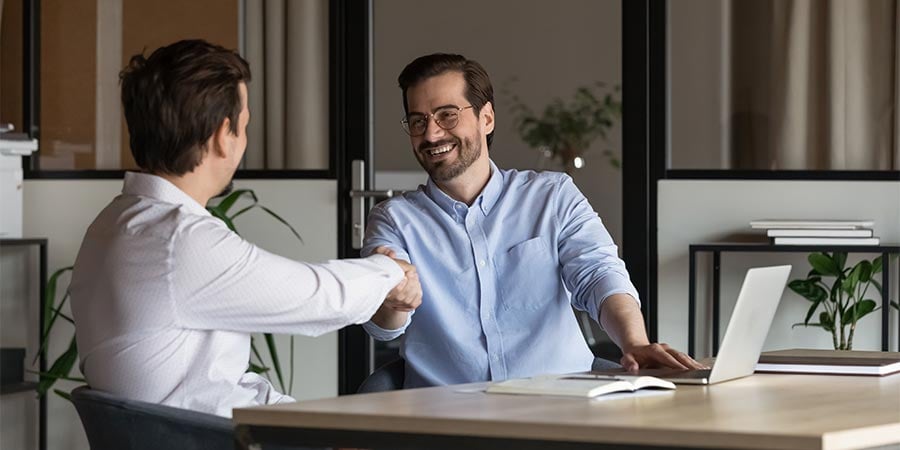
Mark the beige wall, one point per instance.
(551, 47)
(698, 211)
(698, 84)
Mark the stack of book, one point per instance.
(818, 232)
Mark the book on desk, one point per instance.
(836, 362)
(578, 385)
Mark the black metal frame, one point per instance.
(42, 361)
(31, 64)
(644, 144)
(643, 138)
(350, 62)
(718, 248)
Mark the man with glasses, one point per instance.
(502, 255)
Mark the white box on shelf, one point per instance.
(12, 148)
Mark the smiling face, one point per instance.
(446, 154)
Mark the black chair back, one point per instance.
(113, 423)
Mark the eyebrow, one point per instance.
(450, 105)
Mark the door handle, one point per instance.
(360, 196)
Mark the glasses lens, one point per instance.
(447, 118)
(415, 124)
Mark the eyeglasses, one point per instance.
(447, 118)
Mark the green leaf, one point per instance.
(55, 314)
(278, 218)
(60, 368)
(840, 259)
(50, 295)
(824, 264)
(826, 321)
(63, 394)
(229, 201)
(243, 210)
(48, 305)
(877, 265)
(862, 308)
(256, 368)
(258, 356)
(273, 352)
(812, 309)
(895, 304)
(809, 290)
(865, 271)
(849, 283)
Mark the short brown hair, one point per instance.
(479, 90)
(176, 99)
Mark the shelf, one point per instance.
(14, 388)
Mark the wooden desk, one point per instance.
(762, 411)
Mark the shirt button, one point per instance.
(482, 263)
(495, 357)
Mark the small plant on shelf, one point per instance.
(841, 303)
(565, 130)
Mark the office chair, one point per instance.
(114, 423)
(388, 377)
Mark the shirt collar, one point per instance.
(158, 188)
(485, 200)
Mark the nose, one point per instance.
(432, 129)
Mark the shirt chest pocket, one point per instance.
(529, 275)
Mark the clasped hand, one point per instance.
(407, 295)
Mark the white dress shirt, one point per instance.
(165, 297)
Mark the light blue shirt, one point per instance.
(499, 278)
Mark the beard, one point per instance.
(467, 152)
(227, 189)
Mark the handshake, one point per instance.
(403, 298)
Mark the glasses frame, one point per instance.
(404, 122)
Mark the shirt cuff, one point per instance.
(395, 273)
(382, 334)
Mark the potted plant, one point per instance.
(61, 368)
(845, 300)
(565, 130)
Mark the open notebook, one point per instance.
(577, 385)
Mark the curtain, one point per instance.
(286, 44)
(815, 84)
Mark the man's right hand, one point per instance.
(402, 299)
(407, 295)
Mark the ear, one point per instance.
(487, 117)
(219, 140)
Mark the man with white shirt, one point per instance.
(164, 295)
(503, 255)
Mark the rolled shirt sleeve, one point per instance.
(591, 267)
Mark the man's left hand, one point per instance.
(657, 355)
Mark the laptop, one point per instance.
(746, 332)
